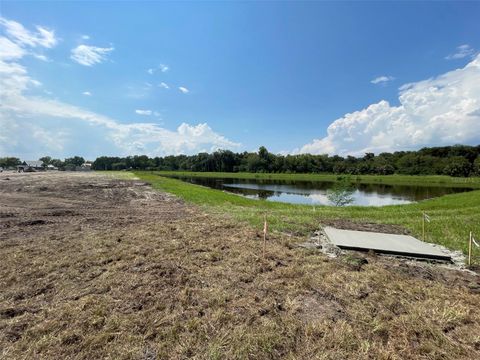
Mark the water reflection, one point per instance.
(315, 192)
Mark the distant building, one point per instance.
(51, 167)
(86, 166)
(30, 165)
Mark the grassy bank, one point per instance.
(427, 180)
(452, 216)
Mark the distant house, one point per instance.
(86, 166)
(30, 165)
(51, 167)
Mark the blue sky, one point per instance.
(239, 75)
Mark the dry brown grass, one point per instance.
(194, 285)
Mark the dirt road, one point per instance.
(94, 267)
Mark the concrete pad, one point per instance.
(384, 243)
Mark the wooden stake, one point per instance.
(265, 229)
(423, 225)
(470, 250)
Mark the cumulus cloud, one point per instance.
(49, 126)
(87, 93)
(440, 111)
(184, 90)
(461, 52)
(382, 79)
(127, 138)
(89, 55)
(164, 85)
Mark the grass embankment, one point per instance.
(427, 180)
(452, 216)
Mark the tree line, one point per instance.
(66, 164)
(458, 160)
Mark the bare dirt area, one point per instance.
(346, 224)
(77, 201)
(94, 267)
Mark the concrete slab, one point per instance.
(404, 245)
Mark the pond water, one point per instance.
(315, 192)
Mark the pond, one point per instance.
(315, 192)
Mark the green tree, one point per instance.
(458, 166)
(476, 166)
(341, 193)
(58, 163)
(47, 160)
(7, 162)
(75, 161)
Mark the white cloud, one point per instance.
(10, 50)
(87, 93)
(183, 89)
(147, 112)
(440, 111)
(462, 51)
(89, 55)
(164, 85)
(16, 41)
(143, 112)
(162, 67)
(49, 126)
(85, 37)
(53, 140)
(115, 137)
(41, 57)
(382, 79)
(23, 37)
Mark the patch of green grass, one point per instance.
(452, 216)
(122, 175)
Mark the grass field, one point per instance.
(452, 216)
